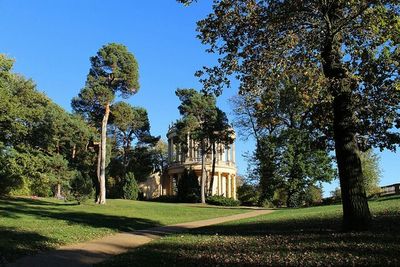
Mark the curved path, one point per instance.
(95, 251)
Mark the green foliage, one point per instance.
(189, 187)
(40, 142)
(353, 55)
(280, 197)
(222, 201)
(301, 166)
(166, 199)
(130, 188)
(336, 194)
(113, 70)
(313, 195)
(248, 195)
(81, 187)
(206, 124)
(371, 171)
(10, 171)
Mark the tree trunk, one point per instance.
(58, 194)
(203, 177)
(98, 174)
(103, 150)
(212, 169)
(265, 152)
(356, 214)
(73, 152)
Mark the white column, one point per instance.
(219, 184)
(233, 152)
(234, 186)
(188, 145)
(229, 187)
(224, 185)
(215, 186)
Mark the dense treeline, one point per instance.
(43, 148)
(46, 151)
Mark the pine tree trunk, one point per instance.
(103, 150)
(213, 169)
(98, 174)
(203, 177)
(356, 214)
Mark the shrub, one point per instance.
(294, 200)
(313, 195)
(189, 188)
(81, 188)
(280, 197)
(222, 201)
(267, 204)
(114, 187)
(248, 195)
(130, 188)
(167, 199)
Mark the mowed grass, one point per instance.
(31, 225)
(293, 237)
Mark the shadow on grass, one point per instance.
(36, 201)
(274, 241)
(16, 208)
(14, 243)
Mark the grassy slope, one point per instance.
(29, 225)
(307, 236)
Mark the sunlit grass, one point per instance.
(29, 225)
(296, 237)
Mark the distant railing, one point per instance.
(198, 161)
(393, 189)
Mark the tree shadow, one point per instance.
(14, 243)
(35, 201)
(294, 250)
(13, 209)
(314, 241)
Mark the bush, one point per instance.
(166, 199)
(222, 201)
(267, 204)
(130, 188)
(280, 197)
(189, 188)
(248, 195)
(114, 187)
(294, 200)
(313, 195)
(81, 188)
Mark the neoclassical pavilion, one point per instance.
(224, 180)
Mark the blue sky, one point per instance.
(52, 41)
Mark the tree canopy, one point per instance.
(114, 70)
(205, 123)
(354, 45)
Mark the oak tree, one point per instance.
(355, 45)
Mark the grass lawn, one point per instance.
(30, 225)
(296, 237)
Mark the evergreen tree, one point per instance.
(113, 70)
